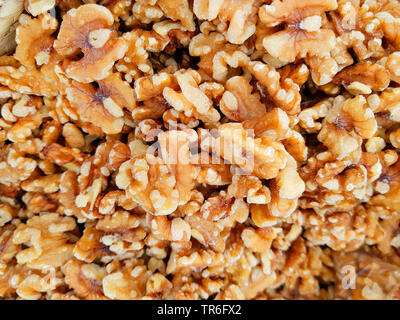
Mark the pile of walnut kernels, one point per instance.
(88, 87)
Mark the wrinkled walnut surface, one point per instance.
(199, 149)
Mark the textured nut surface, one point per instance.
(197, 149)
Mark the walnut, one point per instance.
(178, 10)
(151, 184)
(172, 230)
(89, 247)
(73, 136)
(384, 105)
(15, 167)
(388, 17)
(145, 12)
(123, 233)
(237, 20)
(29, 81)
(298, 73)
(274, 123)
(152, 86)
(34, 41)
(222, 60)
(47, 240)
(388, 184)
(377, 282)
(243, 149)
(44, 184)
(178, 120)
(363, 78)
(295, 144)
(128, 283)
(85, 279)
(250, 187)
(262, 216)
(194, 259)
(238, 103)
(392, 64)
(31, 285)
(224, 206)
(158, 286)
(258, 240)
(263, 156)
(308, 116)
(136, 60)
(191, 100)
(148, 130)
(283, 92)
(36, 7)
(329, 181)
(218, 58)
(88, 30)
(206, 232)
(346, 124)
(8, 248)
(207, 10)
(103, 106)
(303, 28)
(60, 155)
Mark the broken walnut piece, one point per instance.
(346, 124)
(88, 29)
(178, 10)
(46, 239)
(34, 40)
(37, 7)
(262, 157)
(303, 34)
(363, 78)
(238, 102)
(191, 100)
(283, 92)
(102, 107)
(128, 282)
(85, 279)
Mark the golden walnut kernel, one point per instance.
(88, 30)
(363, 78)
(238, 103)
(228, 149)
(304, 33)
(102, 107)
(46, 239)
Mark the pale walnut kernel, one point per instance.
(151, 185)
(15, 167)
(36, 7)
(172, 230)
